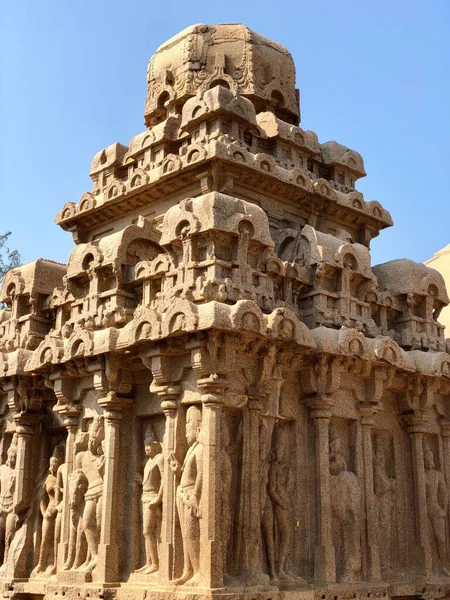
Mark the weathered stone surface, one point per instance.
(219, 395)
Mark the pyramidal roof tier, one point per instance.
(222, 114)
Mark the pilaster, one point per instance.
(108, 567)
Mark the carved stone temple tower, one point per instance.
(218, 395)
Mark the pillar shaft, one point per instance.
(424, 556)
(373, 557)
(212, 552)
(169, 397)
(108, 568)
(71, 424)
(324, 557)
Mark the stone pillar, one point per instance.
(26, 426)
(212, 559)
(373, 557)
(249, 520)
(324, 557)
(445, 432)
(416, 432)
(71, 424)
(25, 475)
(110, 547)
(169, 396)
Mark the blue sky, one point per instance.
(374, 76)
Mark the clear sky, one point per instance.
(373, 75)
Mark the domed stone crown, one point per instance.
(230, 55)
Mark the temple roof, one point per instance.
(231, 55)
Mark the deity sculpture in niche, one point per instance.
(77, 487)
(92, 465)
(49, 510)
(188, 497)
(59, 497)
(437, 504)
(346, 510)
(7, 487)
(265, 501)
(280, 487)
(152, 491)
(384, 489)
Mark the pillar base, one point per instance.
(324, 564)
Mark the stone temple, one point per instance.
(218, 395)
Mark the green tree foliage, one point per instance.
(8, 258)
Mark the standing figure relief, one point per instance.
(265, 501)
(78, 485)
(281, 487)
(276, 491)
(384, 489)
(152, 492)
(7, 515)
(92, 465)
(346, 510)
(437, 505)
(188, 497)
(49, 510)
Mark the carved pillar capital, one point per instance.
(25, 423)
(321, 408)
(113, 406)
(416, 424)
(445, 427)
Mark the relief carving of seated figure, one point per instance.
(346, 510)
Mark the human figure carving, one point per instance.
(49, 511)
(92, 465)
(152, 492)
(77, 487)
(384, 488)
(437, 504)
(7, 487)
(188, 496)
(346, 510)
(265, 501)
(59, 496)
(280, 487)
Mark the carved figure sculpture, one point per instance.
(92, 465)
(384, 488)
(346, 509)
(59, 495)
(78, 485)
(265, 501)
(188, 496)
(437, 503)
(49, 511)
(7, 515)
(152, 491)
(280, 487)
